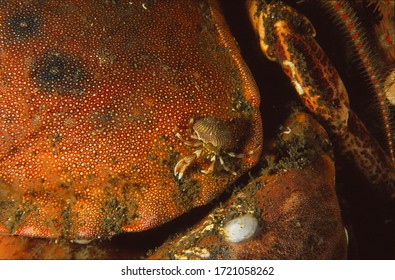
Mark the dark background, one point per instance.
(369, 220)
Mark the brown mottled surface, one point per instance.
(92, 94)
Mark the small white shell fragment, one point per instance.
(82, 241)
(240, 228)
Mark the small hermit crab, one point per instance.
(212, 138)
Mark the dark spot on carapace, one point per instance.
(57, 72)
(23, 25)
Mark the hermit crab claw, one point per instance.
(182, 165)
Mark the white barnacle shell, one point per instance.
(240, 228)
(214, 131)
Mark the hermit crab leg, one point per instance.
(188, 143)
(287, 37)
(225, 167)
(231, 154)
(210, 169)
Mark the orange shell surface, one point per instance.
(92, 94)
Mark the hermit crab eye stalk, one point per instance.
(212, 139)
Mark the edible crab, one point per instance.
(106, 105)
